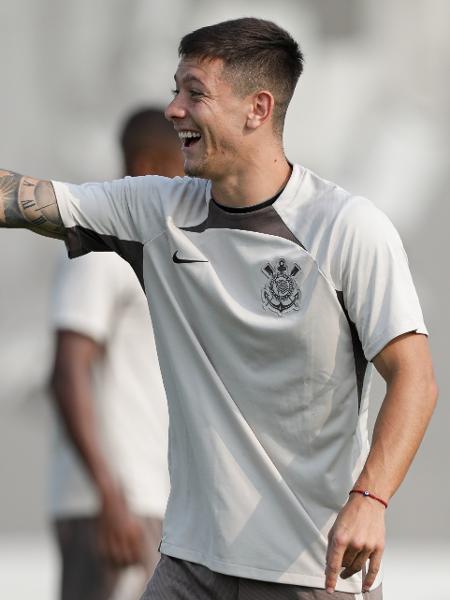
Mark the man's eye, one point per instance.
(195, 93)
(175, 92)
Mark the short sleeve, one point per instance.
(371, 268)
(86, 295)
(123, 215)
(118, 216)
(98, 216)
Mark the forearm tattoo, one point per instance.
(29, 203)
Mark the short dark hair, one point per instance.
(257, 53)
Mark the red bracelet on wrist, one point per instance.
(369, 495)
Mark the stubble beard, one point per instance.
(192, 171)
(196, 169)
(210, 165)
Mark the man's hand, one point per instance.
(356, 537)
(121, 535)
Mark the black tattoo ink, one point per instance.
(39, 221)
(37, 211)
(27, 203)
(9, 188)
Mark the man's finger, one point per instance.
(336, 550)
(374, 567)
(349, 556)
(356, 566)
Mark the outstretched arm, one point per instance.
(29, 203)
(357, 535)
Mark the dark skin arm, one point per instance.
(121, 535)
(29, 203)
(358, 534)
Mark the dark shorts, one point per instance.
(176, 579)
(87, 575)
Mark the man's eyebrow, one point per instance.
(188, 78)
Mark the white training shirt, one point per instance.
(264, 322)
(99, 296)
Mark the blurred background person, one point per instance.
(109, 474)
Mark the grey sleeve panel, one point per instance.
(81, 240)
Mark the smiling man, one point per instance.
(272, 292)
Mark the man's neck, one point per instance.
(254, 184)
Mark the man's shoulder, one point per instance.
(322, 213)
(332, 202)
(170, 185)
(169, 191)
(313, 202)
(184, 200)
(323, 193)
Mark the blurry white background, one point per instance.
(371, 113)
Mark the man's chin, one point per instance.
(195, 170)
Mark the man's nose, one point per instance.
(175, 110)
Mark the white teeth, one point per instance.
(188, 134)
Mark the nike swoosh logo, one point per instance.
(178, 260)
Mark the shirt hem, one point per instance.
(249, 572)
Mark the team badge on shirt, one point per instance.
(281, 293)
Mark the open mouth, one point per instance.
(189, 138)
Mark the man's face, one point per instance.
(209, 118)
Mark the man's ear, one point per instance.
(261, 110)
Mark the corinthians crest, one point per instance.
(281, 293)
